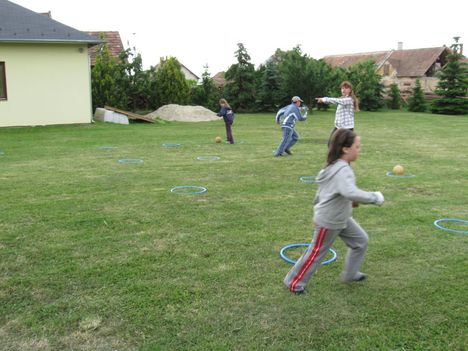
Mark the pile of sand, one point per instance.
(181, 113)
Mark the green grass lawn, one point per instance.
(97, 255)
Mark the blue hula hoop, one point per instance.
(129, 161)
(308, 179)
(107, 147)
(208, 158)
(197, 190)
(409, 175)
(170, 145)
(455, 220)
(288, 260)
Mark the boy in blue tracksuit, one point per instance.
(289, 115)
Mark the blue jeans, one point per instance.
(290, 137)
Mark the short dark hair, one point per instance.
(340, 139)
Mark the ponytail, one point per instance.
(348, 84)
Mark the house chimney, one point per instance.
(400, 45)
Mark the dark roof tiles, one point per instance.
(21, 25)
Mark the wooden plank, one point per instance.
(130, 115)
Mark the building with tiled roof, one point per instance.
(352, 59)
(219, 80)
(401, 66)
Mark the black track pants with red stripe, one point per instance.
(354, 237)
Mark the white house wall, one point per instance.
(46, 84)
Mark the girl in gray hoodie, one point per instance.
(336, 195)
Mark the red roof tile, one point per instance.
(114, 43)
(415, 62)
(408, 63)
(351, 59)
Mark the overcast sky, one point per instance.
(200, 32)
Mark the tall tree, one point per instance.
(416, 101)
(137, 82)
(367, 85)
(172, 88)
(108, 81)
(292, 66)
(240, 89)
(205, 94)
(320, 79)
(453, 85)
(336, 76)
(269, 90)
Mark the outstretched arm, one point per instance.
(345, 101)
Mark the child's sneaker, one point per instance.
(299, 292)
(359, 277)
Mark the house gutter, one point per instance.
(50, 41)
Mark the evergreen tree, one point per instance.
(367, 86)
(269, 87)
(137, 82)
(336, 76)
(289, 73)
(320, 79)
(395, 98)
(452, 86)
(292, 66)
(416, 102)
(153, 102)
(108, 81)
(172, 88)
(240, 89)
(206, 94)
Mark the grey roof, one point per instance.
(20, 25)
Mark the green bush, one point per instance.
(395, 99)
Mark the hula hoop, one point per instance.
(455, 220)
(308, 179)
(107, 147)
(288, 260)
(391, 174)
(129, 161)
(197, 190)
(208, 158)
(170, 145)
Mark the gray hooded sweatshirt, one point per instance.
(336, 193)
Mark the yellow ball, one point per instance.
(218, 139)
(398, 170)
